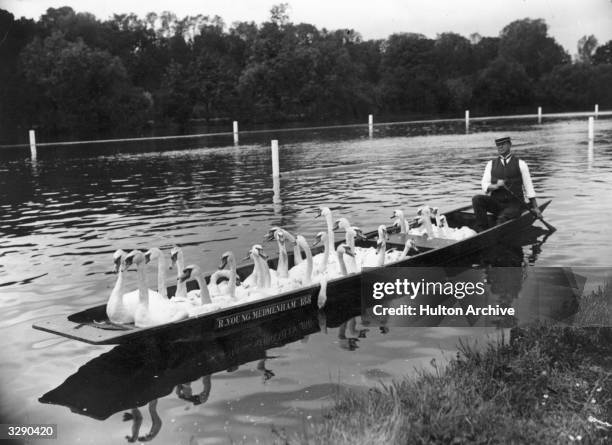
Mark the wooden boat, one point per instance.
(88, 325)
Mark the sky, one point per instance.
(568, 20)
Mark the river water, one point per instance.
(63, 215)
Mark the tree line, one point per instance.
(71, 73)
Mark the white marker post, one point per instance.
(467, 120)
(33, 144)
(370, 125)
(539, 115)
(275, 169)
(591, 129)
(596, 110)
(235, 132)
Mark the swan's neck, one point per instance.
(265, 269)
(402, 220)
(232, 279)
(181, 286)
(297, 256)
(350, 237)
(143, 292)
(282, 267)
(330, 232)
(381, 253)
(405, 251)
(308, 253)
(341, 263)
(161, 276)
(204, 294)
(428, 226)
(118, 288)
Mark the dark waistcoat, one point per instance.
(511, 174)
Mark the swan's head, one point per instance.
(270, 236)
(443, 221)
(382, 232)
(152, 254)
(118, 256)
(411, 246)
(227, 258)
(134, 257)
(323, 211)
(175, 254)
(257, 250)
(345, 249)
(424, 210)
(398, 214)
(320, 237)
(189, 272)
(380, 245)
(359, 233)
(341, 223)
(279, 236)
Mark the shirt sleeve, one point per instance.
(527, 184)
(486, 177)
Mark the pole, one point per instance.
(591, 129)
(467, 119)
(539, 115)
(275, 168)
(33, 144)
(596, 110)
(235, 132)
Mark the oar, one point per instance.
(525, 206)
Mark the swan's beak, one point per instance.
(318, 213)
(316, 242)
(270, 235)
(128, 261)
(336, 226)
(263, 255)
(393, 216)
(223, 262)
(147, 257)
(349, 251)
(246, 258)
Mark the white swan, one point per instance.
(349, 237)
(323, 261)
(369, 257)
(297, 258)
(395, 255)
(156, 254)
(148, 314)
(326, 212)
(121, 306)
(203, 303)
(303, 272)
(178, 261)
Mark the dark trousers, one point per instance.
(503, 211)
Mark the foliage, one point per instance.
(547, 385)
(69, 72)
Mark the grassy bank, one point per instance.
(545, 385)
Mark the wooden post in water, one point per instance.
(591, 129)
(596, 110)
(539, 115)
(33, 144)
(467, 120)
(370, 125)
(275, 168)
(235, 132)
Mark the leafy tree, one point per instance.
(503, 86)
(586, 48)
(527, 42)
(603, 54)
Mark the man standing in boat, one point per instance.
(506, 182)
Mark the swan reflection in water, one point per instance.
(136, 417)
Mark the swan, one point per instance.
(297, 258)
(350, 234)
(395, 255)
(282, 267)
(323, 261)
(369, 257)
(148, 314)
(121, 306)
(200, 295)
(400, 221)
(452, 232)
(176, 255)
(326, 212)
(341, 250)
(322, 297)
(229, 287)
(156, 254)
(303, 272)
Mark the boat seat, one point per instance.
(398, 241)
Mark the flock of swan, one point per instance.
(145, 307)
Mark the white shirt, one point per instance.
(527, 184)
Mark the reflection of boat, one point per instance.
(83, 325)
(136, 373)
